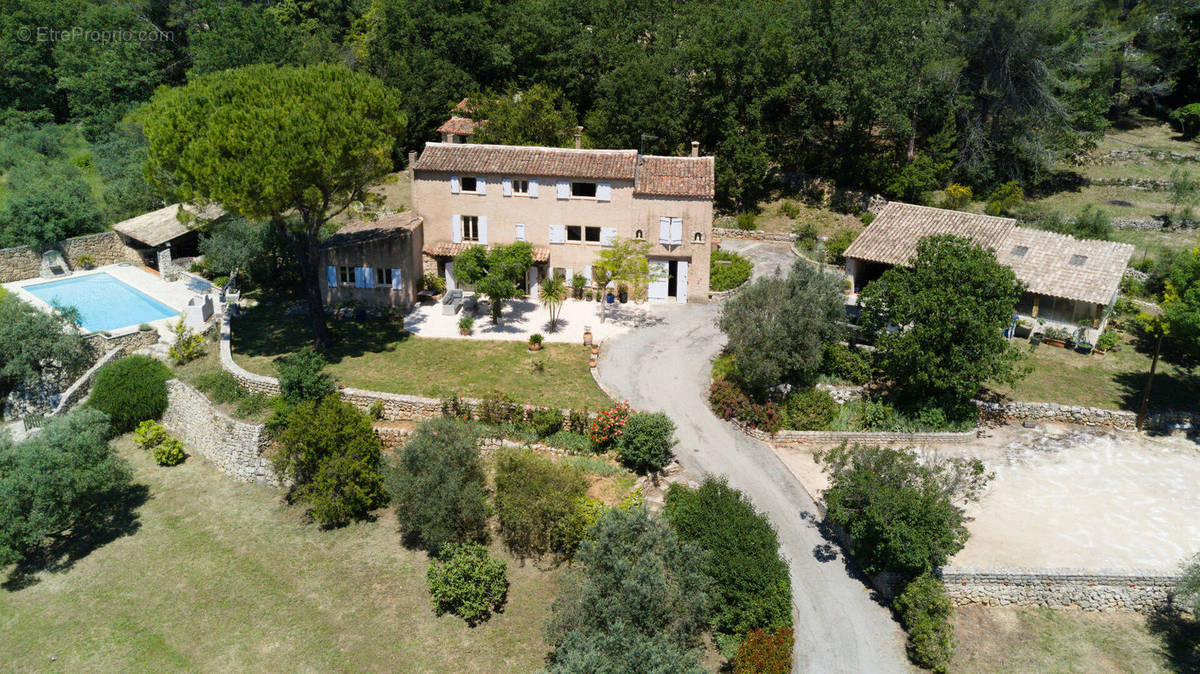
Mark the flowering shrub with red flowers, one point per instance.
(765, 652)
(608, 425)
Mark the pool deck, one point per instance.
(174, 294)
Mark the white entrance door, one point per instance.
(658, 288)
(531, 282)
(681, 282)
(450, 276)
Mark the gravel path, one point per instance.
(665, 367)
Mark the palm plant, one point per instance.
(552, 295)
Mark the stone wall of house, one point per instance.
(236, 447)
(20, 263)
(104, 248)
(1087, 589)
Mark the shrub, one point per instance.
(924, 610)
(130, 390)
(645, 446)
(608, 425)
(537, 503)
(872, 490)
(875, 415)
(747, 221)
(433, 283)
(727, 400)
(546, 422)
(1005, 198)
(187, 345)
(572, 442)
(805, 235)
(867, 218)
(221, 387)
(724, 367)
(467, 582)
(332, 456)
(302, 376)
(789, 210)
(579, 421)
(765, 652)
(437, 486)
(169, 452)
(1107, 340)
(808, 410)
(1188, 117)
(149, 434)
(763, 416)
(751, 584)
(837, 244)
(728, 270)
(847, 363)
(220, 281)
(252, 405)
(957, 197)
(375, 411)
(456, 407)
(465, 324)
(497, 409)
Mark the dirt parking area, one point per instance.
(1067, 496)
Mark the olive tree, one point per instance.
(495, 271)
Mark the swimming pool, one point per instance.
(104, 302)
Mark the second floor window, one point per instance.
(470, 227)
(469, 184)
(582, 190)
(591, 234)
(520, 186)
(574, 233)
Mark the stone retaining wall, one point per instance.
(78, 390)
(104, 248)
(1088, 589)
(236, 447)
(127, 342)
(796, 439)
(1157, 155)
(1154, 184)
(1054, 412)
(751, 234)
(17, 264)
(1138, 223)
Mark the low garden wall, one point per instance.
(795, 439)
(751, 234)
(236, 447)
(17, 264)
(79, 389)
(1088, 589)
(128, 342)
(23, 262)
(1054, 412)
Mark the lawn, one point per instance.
(771, 219)
(1009, 639)
(1112, 381)
(380, 356)
(218, 576)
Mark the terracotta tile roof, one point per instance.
(444, 249)
(1050, 264)
(527, 160)
(892, 237)
(1063, 266)
(362, 231)
(676, 176)
(463, 126)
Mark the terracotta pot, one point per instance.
(595, 350)
(464, 333)
(1055, 342)
(592, 363)
(535, 347)
(587, 337)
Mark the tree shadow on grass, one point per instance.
(265, 331)
(117, 517)
(1180, 637)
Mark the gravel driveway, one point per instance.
(665, 367)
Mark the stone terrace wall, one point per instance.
(236, 447)
(795, 439)
(104, 248)
(76, 391)
(1087, 589)
(751, 234)
(17, 264)
(1054, 412)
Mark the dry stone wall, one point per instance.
(751, 234)
(796, 439)
(1056, 413)
(1087, 589)
(17, 264)
(104, 248)
(236, 447)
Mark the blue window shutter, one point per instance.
(456, 228)
(533, 188)
(506, 187)
(397, 279)
(564, 189)
(368, 277)
(331, 276)
(604, 192)
(481, 185)
(483, 230)
(455, 185)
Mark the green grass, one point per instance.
(771, 219)
(1114, 380)
(380, 356)
(1005, 639)
(1146, 134)
(221, 576)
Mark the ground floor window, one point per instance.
(383, 277)
(346, 276)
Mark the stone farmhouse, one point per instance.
(569, 204)
(1068, 281)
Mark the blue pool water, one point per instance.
(104, 303)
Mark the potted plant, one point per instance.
(587, 295)
(587, 335)
(577, 284)
(623, 293)
(847, 285)
(85, 261)
(1057, 337)
(1024, 327)
(465, 324)
(595, 350)
(1105, 342)
(1084, 347)
(1036, 338)
(535, 342)
(610, 296)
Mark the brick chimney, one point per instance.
(578, 137)
(695, 148)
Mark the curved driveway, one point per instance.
(666, 367)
